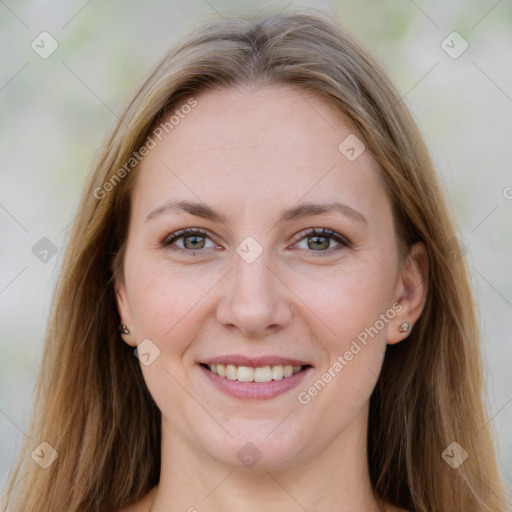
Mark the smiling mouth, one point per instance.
(251, 374)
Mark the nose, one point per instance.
(255, 299)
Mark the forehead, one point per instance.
(242, 149)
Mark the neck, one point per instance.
(336, 479)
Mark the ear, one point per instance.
(411, 292)
(123, 308)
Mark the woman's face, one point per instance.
(252, 289)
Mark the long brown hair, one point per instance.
(92, 405)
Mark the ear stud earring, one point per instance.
(404, 327)
(123, 329)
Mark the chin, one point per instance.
(257, 448)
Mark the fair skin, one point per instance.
(249, 154)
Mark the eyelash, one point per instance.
(324, 233)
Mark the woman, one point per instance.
(262, 306)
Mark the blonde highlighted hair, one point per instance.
(92, 404)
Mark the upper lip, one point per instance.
(255, 362)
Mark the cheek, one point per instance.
(166, 310)
(358, 312)
(166, 301)
(348, 299)
(353, 308)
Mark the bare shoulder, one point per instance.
(142, 505)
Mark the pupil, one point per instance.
(195, 240)
(318, 245)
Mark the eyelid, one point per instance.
(320, 232)
(183, 233)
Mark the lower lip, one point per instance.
(255, 390)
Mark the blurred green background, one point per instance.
(55, 113)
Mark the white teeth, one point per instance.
(245, 374)
(263, 374)
(277, 372)
(288, 371)
(231, 371)
(259, 374)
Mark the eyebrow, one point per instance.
(296, 212)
